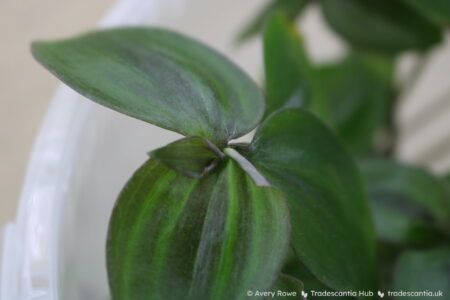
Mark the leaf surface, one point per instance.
(287, 287)
(192, 156)
(160, 77)
(437, 11)
(287, 68)
(404, 197)
(382, 25)
(423, 270)
(332, 231)
(173, 237)
(357, 90)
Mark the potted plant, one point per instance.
(285, 215)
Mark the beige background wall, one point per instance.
(25, 87)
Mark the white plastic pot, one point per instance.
(82, 158)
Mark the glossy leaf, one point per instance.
(404, 198)
(424, 270)
(160, 77)
(288, 71)
(173, 237)
(437, 11)
(357, 90)
(381, 25)
(291, 8)
(331, 224)
(192, 156)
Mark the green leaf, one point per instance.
(332, 231)
(400, 221)
(406, 200)
(357, 90)
(437, 11)
(287, 287)
(287, 68)
(173, 237)
(292, 8)
(295, 268)
(382, 25)
(192, 156)
(160, 77)
(419, 271)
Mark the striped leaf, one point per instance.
(173, 237)
(192, 156)
(332, 231)
(160, 77)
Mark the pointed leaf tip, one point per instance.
(160, 77)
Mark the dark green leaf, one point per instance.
(287, 287)
(382, 25)
(173, 237)
(160, 77)
(332, 231)
(288, 71)
(292, 8)
(387, 255)
(192, 156)
(407, 201)
(357, 92)
(296, 269)
(401, 221)
(437, 11)
(419, 271)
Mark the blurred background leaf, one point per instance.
(287, 67)
(437, 11)
(357, 91)
(425, 270)
(409, 204)
(384, 26)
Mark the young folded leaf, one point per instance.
(192, 156)
(387, 26)
(173, 237)
(160, 77)
(332, 230)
